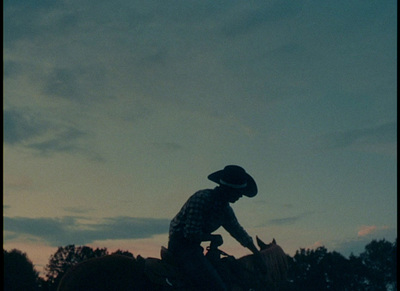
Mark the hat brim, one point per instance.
(250, 190)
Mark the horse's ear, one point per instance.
(261, 244)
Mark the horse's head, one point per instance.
(275, 260)
(263, 246)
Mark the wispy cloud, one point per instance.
(64, 141)
(78, 210)
(69, 140)
(32, 132)
(78, 230)
(366, 230)
(289, 219)
(17, 182)
(385, 134)
(247, 20)
(167, 146)
(19, 127)
(64, 83)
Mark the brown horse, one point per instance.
(116, 272)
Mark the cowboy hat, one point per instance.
(235, 177)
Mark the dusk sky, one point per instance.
(115, 112)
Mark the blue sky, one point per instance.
(116, 112)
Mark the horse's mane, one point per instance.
(274, 258)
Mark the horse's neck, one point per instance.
(242, 273)
(247, 261)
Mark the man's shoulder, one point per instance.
(205, 195)
(204, 192)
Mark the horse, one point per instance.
(123, 273)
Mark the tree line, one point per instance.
(373, 270)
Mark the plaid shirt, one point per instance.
(205, 212)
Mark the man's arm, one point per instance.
(238, 232)
(253, 248)
(232, 226)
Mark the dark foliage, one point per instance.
(380, 257)
(373, 270)
(19, 273)
(68, 256)
(123, 253)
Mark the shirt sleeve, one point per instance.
(232, 226)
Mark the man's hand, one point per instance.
(216, 240)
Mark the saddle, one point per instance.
(164, 272)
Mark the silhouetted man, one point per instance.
(203, 213)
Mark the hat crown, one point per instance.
(234, 175)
